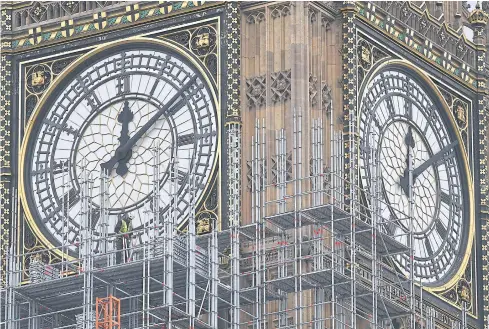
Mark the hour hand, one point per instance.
(409, 139)
(124, 117)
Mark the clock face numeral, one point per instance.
(71, 198)
(147, 99)
(186, 139)
(398, 118)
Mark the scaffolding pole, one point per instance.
(313, 261)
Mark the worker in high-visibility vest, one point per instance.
(123, 229)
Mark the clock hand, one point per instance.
(425, 165)
(428, 163)
(124, 117)
(124, 152)
(409, 141)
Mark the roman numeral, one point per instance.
(445, 198)
(181, 176)
(63, 127)
(94, 217)
(408, 107)
(429, 249)
(186, 139)
(70, 199)
(390, 105)
(441, 229)
(175, 107)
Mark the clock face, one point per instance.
(138, 113)
(399, 118)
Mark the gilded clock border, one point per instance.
(422, 75)
(22, 193)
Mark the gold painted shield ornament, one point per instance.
(67, 28)
(35, 36)
(100, 20)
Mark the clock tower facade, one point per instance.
(281, 164)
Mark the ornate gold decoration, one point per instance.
(461, 115)
(38, 78)
(366, 54)
(203, 226)
(478, 16)
(413, 34)
(67, 28)
(464, 293)
(202, 40)
(133, 13)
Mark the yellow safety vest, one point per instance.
(124, 227)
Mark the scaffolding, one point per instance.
(309, 256)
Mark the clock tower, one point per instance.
(244, 165)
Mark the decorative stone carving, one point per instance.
(377, 54)
(324, 176)
(70, 6)
(255, 17)
(313, 90)
(313, 15)
(326, 22)
(442, 36)
(37, 12)
(249, 177)
(288, 168)
(255, 91)
(460, 113)
(405, 12)
(203, 41)
(262, 173)
(281, 86)
(423, 24)
(203, 225)
(364, 50)
(326, 98)
(38, 78)
(281, 10)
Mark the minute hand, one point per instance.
(428, 163)
(122, 152)
(168, 107)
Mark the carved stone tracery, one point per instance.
(281, 86)
(313, 90)
(281, 10)
(256, 88)
(255, 17)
